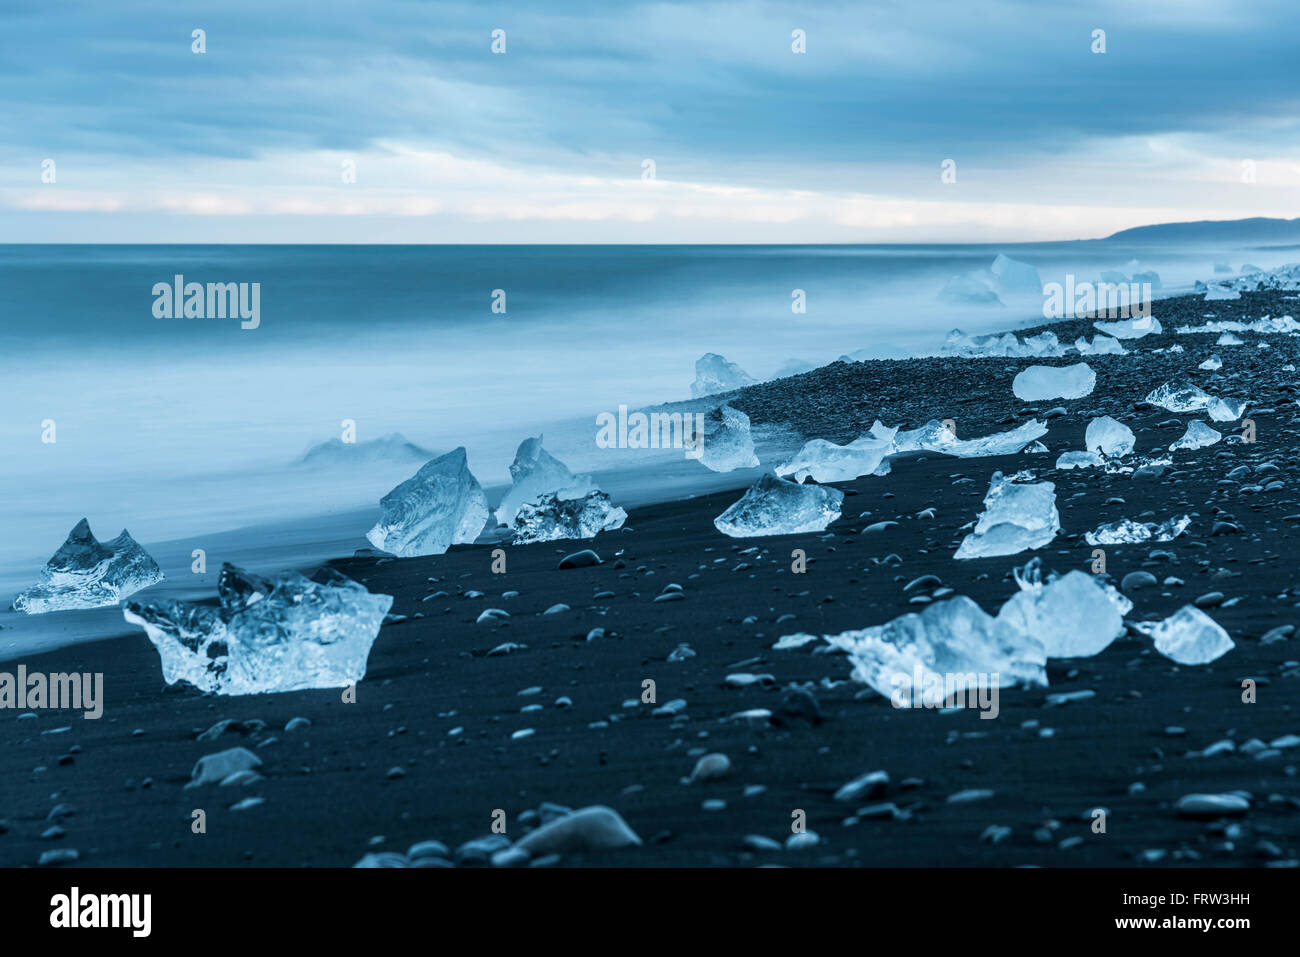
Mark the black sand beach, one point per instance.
(390, 770)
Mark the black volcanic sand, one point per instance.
(331, 795)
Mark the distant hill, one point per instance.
(388, 448)
(1260, 229)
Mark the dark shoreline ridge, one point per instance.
(384, 773)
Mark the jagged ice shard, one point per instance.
(440, 506)
(286, 633)
(553, 518)
(1054, 382)
(774, 506)
(1179, 397)
(727, 444)
(1016, 518)
(953, 637)
(934, 436)
(1128, 532)
(714, 374)
(87, 573)
(1189, 636)
(825, 461)
(1197, 436)
(536, 473)
(1130, 328)
(1073, 616)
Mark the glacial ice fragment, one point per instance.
(1128, 532)
(440, 506)
(1179, 397)
(1197, 436)
(774, 506)
(534, 473)
(1189, 636)
(1016, 277)
(825, 461)
(1217, 293)
(714, 374)
(1100, 346)
(552, 518)
(1228, 339)
(1016, 518)
(726, 444)
(1079, 460)
(1225, 410)
(87, 573)
(1073, 616)
(1054, 382)
(285, 633)
(1211, 364)
(934, 436)
(1108, 437)
(908, 658)
(1130, 328)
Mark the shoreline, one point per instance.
(391, 770)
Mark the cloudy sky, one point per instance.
(1192, 112)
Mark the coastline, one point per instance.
(329, 791)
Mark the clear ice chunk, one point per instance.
(1016, 277)
(1130, 328)
(1128, 532)
(285, 633)
(1100, 346)
(1073, 616)
(934, 436)
(1016, 518)
(1197, 436)
(440, 506)
(727, 444)
(534, 473)
(825, 461)
(1079, 460)
(87, 573)
(1179, 397)
(553, 518)
(1054, 382)
(1211, 364)
(1225, 410)
(953, 639)
(1108, 437)
(714, 374)
(774, 506)
(1189, 636)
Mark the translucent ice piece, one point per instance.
(1211, 364)
(934, 436)
(440, 506)
(727, 444)
(953, 639)
(1197, 436)
(1179, 397)
(714, 374)
(827, 462)
(1130, 328)
(773, 506)
(1054, 382)
(86, 573)
(553, 518)
(1128, 532)
(1079, 460)
(1189, 636)
(535, 472)
(285, 633)
(1225, 410)
(1016, 518)
(1108, 437)
(1074, 616)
